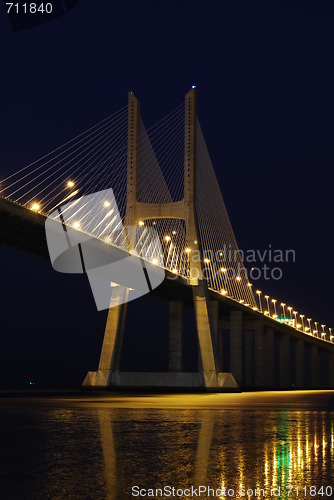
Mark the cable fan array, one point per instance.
(96, 161)
(92, 161)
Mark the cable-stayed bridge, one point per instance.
(163, 178)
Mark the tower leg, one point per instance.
(111, 348)
(205, 336)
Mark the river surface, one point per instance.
(116, 446)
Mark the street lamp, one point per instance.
(295, 320)
(323, 333)
(260, 302)
(283, 307)
(316, 327)
(290, 311)
(274, 302)
(267, 300)
(309, 324)
(302, 316)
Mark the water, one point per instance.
(99, 446)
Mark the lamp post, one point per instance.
(302, 316)
(295, 320)
(260, 302)
(309, 324)
(283, 307)
(323, 333)
(267, 300)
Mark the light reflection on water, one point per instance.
(98, 451)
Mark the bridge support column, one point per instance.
(315, 366)
(249, 358)
(111, 348)
(205, 336)
(236, 346)
(331, 370)
(214, 307)
(259, 354)
(220, 348)
(175, 336)
(284, 364)
(269, 358)
(300, 382)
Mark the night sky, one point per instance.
(265, 77)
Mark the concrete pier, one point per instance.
(236, 345)
(315, 366)
(300, 378)
(175, 336)
(269, 358)
(249, 359)
(284, 375)
(259, 354)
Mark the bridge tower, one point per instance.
(209, 376)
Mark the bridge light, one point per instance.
(35, 207)
(174, 271)
(238, 278)
(108, 239)
(174, 232)
(266, 313)
(258, 292)
(241, 301)
(155, 261)
(76, 225)
(223, 269)
(193, 86)
(249, 284)
(187, 250)
(106, 204)
(140, 223)
(255, 308)
(223, 292)
(167, 238)
(207, 261)
(275, 316)
(70, 184)
(195, 241)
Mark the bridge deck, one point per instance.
(23, 230)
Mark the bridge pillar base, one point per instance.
(180, 381)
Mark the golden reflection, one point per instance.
(228, 449)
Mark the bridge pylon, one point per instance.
(209, 376)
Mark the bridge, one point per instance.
(163, 178)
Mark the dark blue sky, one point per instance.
(265, 77)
